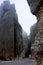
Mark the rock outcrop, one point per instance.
(32, 33)
(33, 5)
(11, 34)
(11, 43)
(36, 7)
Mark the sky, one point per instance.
(25, 17)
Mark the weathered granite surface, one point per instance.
(33, 5)
(32, 33)
(10, 32)
(11, 35)
(36, 7)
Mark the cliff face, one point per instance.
(10, 32)
(18, 40)
(11, 35)
(37, 47)
(33, 5)
(32, 33)
(6, 32)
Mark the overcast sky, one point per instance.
(25, 17)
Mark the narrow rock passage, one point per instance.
(20, 62)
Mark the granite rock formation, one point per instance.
(33, 5)
(36, 7)
(11, 34)
(11, 42)
(6, 31)
(32, 33)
